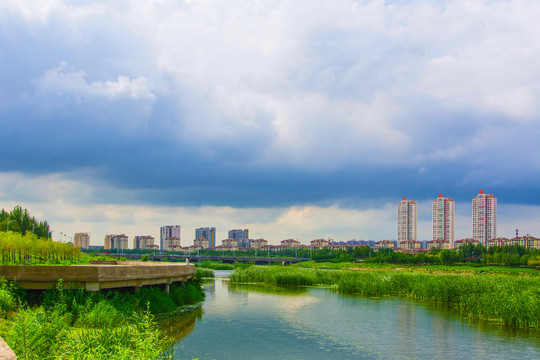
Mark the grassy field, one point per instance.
(507, 299)
(419, 268)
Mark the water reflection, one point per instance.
(262, 322)
(179, 326)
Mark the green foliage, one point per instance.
(215, 266)
(21, 222)
(144, 257)
(99, 315)
(34, 333)
(7, 298)
(39, 334)
(202, 272)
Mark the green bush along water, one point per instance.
(75, 324)
(204, 272)
(509, 300)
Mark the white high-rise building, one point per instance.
(443, 219)
(484, 214)
(170, 237)
(208, 233)
(406, 220)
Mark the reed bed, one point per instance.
(508, 300)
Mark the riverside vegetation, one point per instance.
(76, 324)
(505, 299)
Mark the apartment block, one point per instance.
(484, 217)
(81, 240)
(143, 242)
(118, 242)
(406, 220)
(443, 219)
(208, 233)
(241, 236)
(169, 237)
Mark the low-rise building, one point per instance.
(529, 242)
(438, 244)
(319, 243)
(202, 242)
(497, 242)
(385, 244)
(337, 246)
(290, 243)
(258, 243)
(463, 242)
(409, 244)
(229, 244)
(194, 248)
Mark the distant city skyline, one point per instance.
(443, 205)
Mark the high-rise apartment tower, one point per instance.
(170, 237)
(484, 214)
(443, 219)
(241, 237)
(208, 233)
(406, 213)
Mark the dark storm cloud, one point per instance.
(200, 104)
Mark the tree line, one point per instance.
(19, 220)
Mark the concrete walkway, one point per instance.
(5, 351)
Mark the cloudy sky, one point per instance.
(295, 119)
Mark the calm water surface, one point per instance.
(256, 322)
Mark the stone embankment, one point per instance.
(5, 351)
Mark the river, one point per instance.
(260, 322)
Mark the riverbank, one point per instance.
(505, 299)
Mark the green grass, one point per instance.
(40, 334)
(507, 299)
(419, 268)
(205, 273)
(215, 265)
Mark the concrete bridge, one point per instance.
(257, 260)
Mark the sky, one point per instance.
(296, 119)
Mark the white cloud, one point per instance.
(64, 81)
